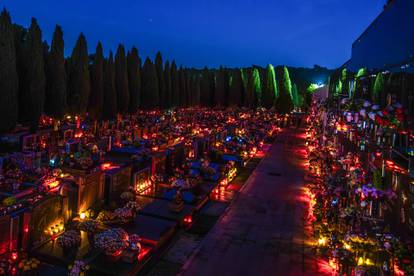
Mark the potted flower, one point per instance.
(69, 240)
(112, 242)
(124, 214)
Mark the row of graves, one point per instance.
(105, 198)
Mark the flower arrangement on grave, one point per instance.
(69, 239)
(78, 268)
(89, 226)
(133, 206)
(124, 214)
(105, 216)
(112, 241)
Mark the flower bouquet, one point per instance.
(124, 214)
(90, 227)
(69, 240)
(77, 268)
(105, 216)
(133, 206)
(112, 242)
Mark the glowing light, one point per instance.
(82, 215)
(108, 166)
(188, 220)
(347, 246)
(360, 261)
(322, 241)
(368, 262)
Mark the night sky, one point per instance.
(210, 32)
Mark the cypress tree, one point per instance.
(378, 87)
(190, 86)
(121, 80)
(249, 99)
(236, 89)
(134, 79)
(175, 80)
(284, 101)
(168, 84)
(8, 75)
(270, 92)
(161, 83)
(245, 81)
(56, 76)
(182, 98)
(32, 94)
(79, 79)
(96, 101)
(220, 91)
(197, 91)
(257, 88)
(297, 97)
(150, 96)
(205, 88)
(110, 97)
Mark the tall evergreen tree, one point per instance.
(236, 89)
(8, 75)
(150, 95)
(220, 91)
(121, 80)
(270, 92)
(196, 91)
(249, 96)
(182, 98)
(79, 79)
(32, 94)
(206, 85)
(56, 76)
(175, 80)
(134, 79)
(297, 97)
(189, 79)
(378, 88)
(257, 87)
(161, 83)
(110, 97)
(96, 101)
(168, 84)
(284, 102)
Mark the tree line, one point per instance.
(37, 78)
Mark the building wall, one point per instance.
(388, 41)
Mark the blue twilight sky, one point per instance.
(210, 32)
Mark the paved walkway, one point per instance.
(262, 231)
